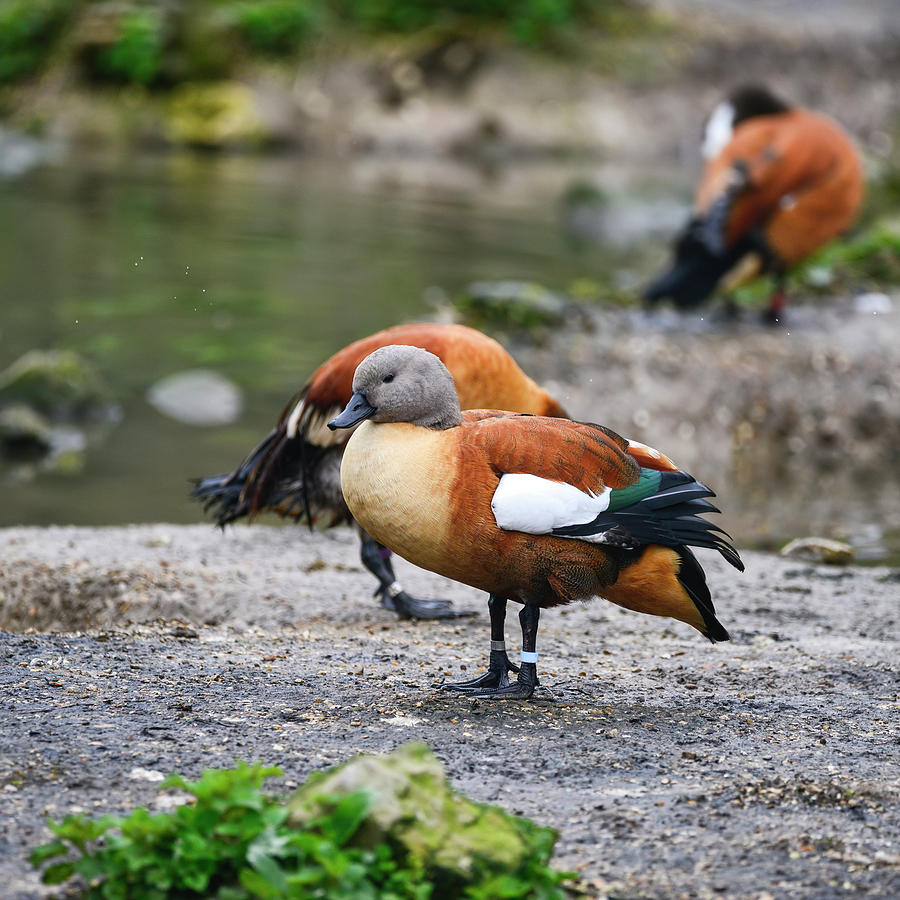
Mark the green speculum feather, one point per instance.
(645, 486)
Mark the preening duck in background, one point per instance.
(779, 182)
(537, 510)
(295, 470)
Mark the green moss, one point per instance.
(511, 305)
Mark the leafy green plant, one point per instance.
(136, 55)
(27, 30)
(234, 842)
(278, 27)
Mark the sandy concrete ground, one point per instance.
(763, 767)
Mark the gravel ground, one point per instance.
(763, 767)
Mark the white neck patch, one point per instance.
(719, 129)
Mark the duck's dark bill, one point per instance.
(356, 410)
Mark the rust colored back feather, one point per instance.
(587, 456)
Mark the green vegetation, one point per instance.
(236, 842)
(145, 43)
(279, 27)
(27, 32)
(868, 259)
(135, 55)
(521, 306)
(532, 22)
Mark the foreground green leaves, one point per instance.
(233, 841)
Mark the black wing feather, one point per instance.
(671, 518)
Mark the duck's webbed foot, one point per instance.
(521, 689)
(496, 676)
(526, 682)
(377, 559)
(394, 598)
(495, 683)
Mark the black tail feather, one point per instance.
(275, 476)
(693, 580)
(221, 495)
(671, 517)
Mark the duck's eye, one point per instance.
(388, 379)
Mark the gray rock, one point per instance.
(197, 397)
(820, 550)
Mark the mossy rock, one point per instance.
(55, 383)
(516, 305)
(24, 433)
(219, 115)
(457, 841)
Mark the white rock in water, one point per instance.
(873, 303)
(197, 397)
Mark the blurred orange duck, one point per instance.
(537, 510)
(779, 182)
(295, 470)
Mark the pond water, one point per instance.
(260, 269)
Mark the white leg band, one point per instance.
(394, 588)
(498, 645)
(528, 656)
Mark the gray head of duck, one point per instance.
(402, 384)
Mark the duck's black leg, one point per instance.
(523, 687)
(377, 559)
(499, 665)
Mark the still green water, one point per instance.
(258, 268)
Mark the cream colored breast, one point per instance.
(396, 480)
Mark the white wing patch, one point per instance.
(719, 128)
(538, 505)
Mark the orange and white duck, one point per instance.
(779, 182)
(532, 509)
(295, 470)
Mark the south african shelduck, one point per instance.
(779, 183)
(537, 510)
(295, 470)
